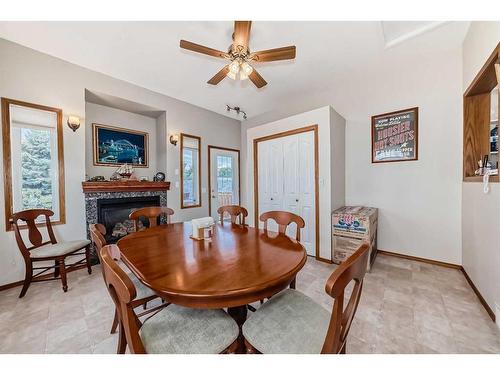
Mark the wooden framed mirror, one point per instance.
(190, 171)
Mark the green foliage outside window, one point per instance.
(35, 163)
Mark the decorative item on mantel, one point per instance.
(123, 173)
(203, 228)
(159, 177)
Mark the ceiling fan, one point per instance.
(240, 56)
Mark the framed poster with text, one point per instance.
(395, 136)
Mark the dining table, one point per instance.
(234, 267)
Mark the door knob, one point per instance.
(296, 200)
(272, 199)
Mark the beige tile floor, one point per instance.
(406, 307)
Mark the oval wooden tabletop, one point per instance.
(238, 265)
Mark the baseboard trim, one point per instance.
(324, 260)
(21, 282)
(488, 309)
(11, 285)
(423, 260)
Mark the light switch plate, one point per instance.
(176, 171)
(177, 184)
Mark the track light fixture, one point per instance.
(238, 110)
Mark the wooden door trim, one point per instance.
(210, 147)
(181, 135)
(314, 129)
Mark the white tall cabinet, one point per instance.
(286, 181)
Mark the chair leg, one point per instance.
(27, 278)
(62, 271)
(343, 350)
(87, 258)
(115, 322)
(292, 284)
(122, 341)
(56, 268)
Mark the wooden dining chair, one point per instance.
(284, 219)
(291, 322)
(172, 329)
(152, 214)
(236, 212)
(144, 294)
(39, 250)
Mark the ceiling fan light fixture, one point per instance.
(243, 76)
(246, 68)
(234, 67)
(231, 75)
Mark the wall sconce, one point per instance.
(73, 122)
(174, 138)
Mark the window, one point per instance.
(190, 171)
(33, 158)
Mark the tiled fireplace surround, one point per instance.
(92, 199)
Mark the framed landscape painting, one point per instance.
(395, 136)
(116, 146)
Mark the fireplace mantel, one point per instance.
(123, 186)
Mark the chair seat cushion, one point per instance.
(57, 249)
(181, 330)
(142, 290)
(288, 323)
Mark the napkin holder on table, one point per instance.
(203, 228)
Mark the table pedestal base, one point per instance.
(239, 314)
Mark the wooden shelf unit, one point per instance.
(477, 108)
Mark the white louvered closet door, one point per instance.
(286, 182)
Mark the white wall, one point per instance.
(418, 201)
(104, 115)
(481, 212)
(321, 117)
(337, 159)
(38, 78)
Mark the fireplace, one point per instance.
(113, 214)
(110, 202)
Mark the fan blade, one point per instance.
(257, 79)
(202, 49)
(219, 76)
(241, 35)
(283, 53)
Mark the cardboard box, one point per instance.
(355, 222)
(344, 247)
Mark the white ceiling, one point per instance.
(148, 54)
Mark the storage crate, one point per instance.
(356, 222)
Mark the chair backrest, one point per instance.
(235, 212)
(34, 235)
(97, 232)
(122, 292)
(283, 219)
(354, 268)
(151, 213)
